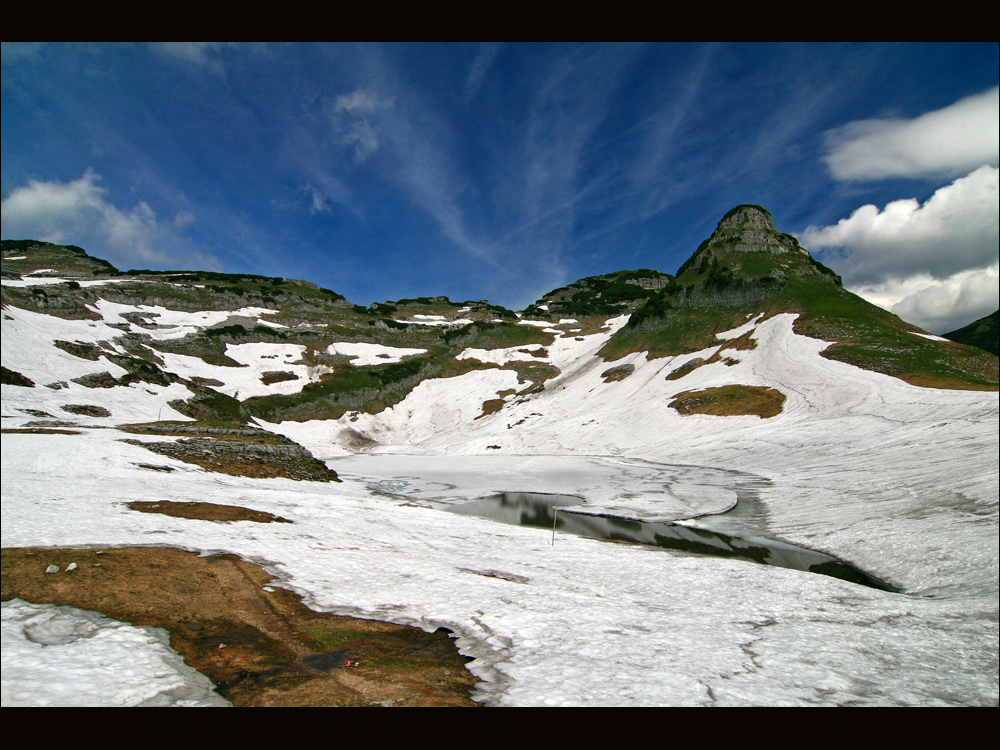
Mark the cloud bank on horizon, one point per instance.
(935, 262)
(503, 171)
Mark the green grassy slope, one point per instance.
(983, 333)
(746, 267)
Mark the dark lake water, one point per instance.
(553, 512)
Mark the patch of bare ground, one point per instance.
(731, 400)
(491, 406)
(205, 511)
(685, 369)
(258, 643)
(929, 381)
(277, 376)
(534, 373)
(584, 327)
(541, 352)
(12, 377)
(38, 431)
(237, 450)
(743, 343)
(619, 372)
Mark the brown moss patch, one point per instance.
(258, 643)
(731, 400)
(584, 327)
(277, 376)
(745, 342)
(86, 410)
(12, 377)
(617, 373)
(241, 458)
(541, 353)
(685, 369)
(928, 381)
(156, 467)
(200, 511)
(537, 374)
(38, 431)
(491, 406)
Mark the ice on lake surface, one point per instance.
(634, 501)
(618, 486)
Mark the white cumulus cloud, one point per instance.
(938, 305)
(79, 213)
(946, 142)
(956, 229)
(934, 264)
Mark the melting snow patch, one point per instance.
(539, 323)
(741, 330)
(372, 354)
(930, 336)
(59, 656)
(434, 320)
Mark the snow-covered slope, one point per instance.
(900, 480)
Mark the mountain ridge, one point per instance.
(745, 268)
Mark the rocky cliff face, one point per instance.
(745, 262)
(745, 229)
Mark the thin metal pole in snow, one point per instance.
(555, 515)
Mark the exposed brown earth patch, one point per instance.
(685, 369)
(619, 372)
(731, 400)
(541, 353)
(277, 376)
(156, 467)
(39, 431)
(237, 450)
(245, 459)
(745, 342)
(927, 381)
(204, 511)
(491, 406)
(258, 643)
(86, 410)
(12, 377)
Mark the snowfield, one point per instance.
(899, 480)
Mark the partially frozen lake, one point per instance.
(683, 508)
(616, 486)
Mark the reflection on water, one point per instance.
(518, 508)
(553, 512)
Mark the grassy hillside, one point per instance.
(746, 267)
(983, 333)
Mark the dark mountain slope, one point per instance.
(983, 333)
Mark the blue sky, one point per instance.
(497, 171)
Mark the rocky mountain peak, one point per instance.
(747, 216)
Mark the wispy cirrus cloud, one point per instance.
(488, 52)
(205, 55)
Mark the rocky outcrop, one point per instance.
(245, 458)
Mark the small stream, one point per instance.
(706, 535)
